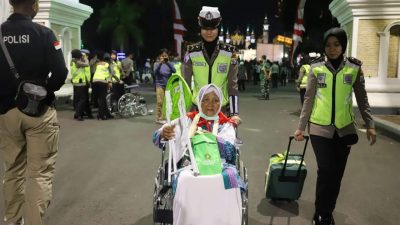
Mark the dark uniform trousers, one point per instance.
(81, 100)
(100, 91)
(331, 155)
(117, 91)
(129, 79)
(274, 78)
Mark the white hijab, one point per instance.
(203, 91)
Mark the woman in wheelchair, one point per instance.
(213, 197)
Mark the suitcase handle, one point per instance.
(296, 178)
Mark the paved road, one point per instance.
(105, 170)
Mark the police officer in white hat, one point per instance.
(211, 61)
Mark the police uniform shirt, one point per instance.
(37, 56)
(328, 131)
(187, 69)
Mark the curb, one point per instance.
(388, 126)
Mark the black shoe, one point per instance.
(323, 220)
(79, 118)
(101, 117)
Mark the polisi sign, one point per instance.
(19, 39)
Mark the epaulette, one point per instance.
(227, 47)
(355, 61)
(318, 60)
(194, 47)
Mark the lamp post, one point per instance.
(248, 37)
(252, 40)
(227, 37)
(221, 35)
(265, 30)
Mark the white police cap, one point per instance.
(210, 13)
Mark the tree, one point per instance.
(121, 18)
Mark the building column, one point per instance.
(354, 37)
(398, 59)
(384, 39)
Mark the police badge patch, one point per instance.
(321, 78)
(348, 79)
(222, 67)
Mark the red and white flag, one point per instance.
(298, 28)
(179, 29)
(57, 45)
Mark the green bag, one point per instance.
(174, 88)
(206, 153)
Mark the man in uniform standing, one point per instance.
(210, 61)
(28, 144)
(128, 69)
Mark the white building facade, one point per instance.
(373, 28)
(64, 17)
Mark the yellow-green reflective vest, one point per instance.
(218, 73)
(79, 77)
(117, 70)
(334, 93)
(178, 66)
(102, 73)
(303, 82)
(88, 75)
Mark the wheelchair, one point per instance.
(163, 195)
(130, 103)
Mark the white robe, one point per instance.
(203, 200)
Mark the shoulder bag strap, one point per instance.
(8, 57)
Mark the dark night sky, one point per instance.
(157, 20)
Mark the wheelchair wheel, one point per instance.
(162, 199)
(143, 110)
(244, 195)
(126, 105)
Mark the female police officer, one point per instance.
(328, 109)
(212, 62)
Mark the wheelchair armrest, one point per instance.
(129, 87)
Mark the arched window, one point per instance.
(389, 51)
(393, 70)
